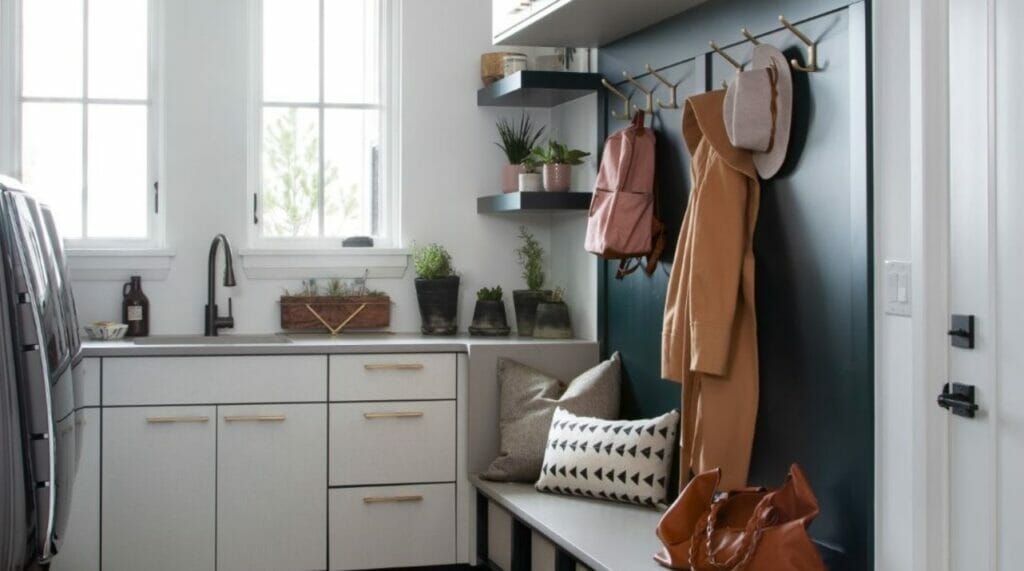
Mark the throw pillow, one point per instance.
(621, 460)
(528, 401)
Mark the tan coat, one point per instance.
(709, 341)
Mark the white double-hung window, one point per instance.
(321, 146)
(78, 127)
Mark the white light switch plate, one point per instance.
(897, 288)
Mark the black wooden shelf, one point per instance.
(538, 89)
(533, 202)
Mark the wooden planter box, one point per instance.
(296, 316)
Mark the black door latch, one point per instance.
(958, 399)
(962, 331)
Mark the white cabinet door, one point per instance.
(80, 547)
(272, 487)
(159, 486)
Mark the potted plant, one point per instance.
(529, 178)
(489, 317)
(558, 160)
(553, 317)
(531, 257)
(437, 290)
(517, 142)
(340, 306)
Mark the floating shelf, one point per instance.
(538, 89)
(533, 202)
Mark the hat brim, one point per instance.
(769, 162)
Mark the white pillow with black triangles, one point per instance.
(619, 460)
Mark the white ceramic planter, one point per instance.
(530, 182)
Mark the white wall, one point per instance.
(448, 160)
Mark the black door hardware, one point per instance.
(959, 399)
(962, 331)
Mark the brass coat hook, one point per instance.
(750, 37)
(812, 48)
(726, 57)
(672, 104)
(627, 113)
(649, 94)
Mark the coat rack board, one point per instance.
(813, 246)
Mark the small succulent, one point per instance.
(530, 166)
(489, 294)
(556, 153)
(432, 262)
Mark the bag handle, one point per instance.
(748, 543)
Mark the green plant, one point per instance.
(530, 166)
(432, 262)
(489, 294)
(517, 140)
(335, 288)
(557, 295)
(531, 258)
(556, 153)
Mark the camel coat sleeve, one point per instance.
(719, 241)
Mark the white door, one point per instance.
(159, 486)
(272, 487)
(986, 279)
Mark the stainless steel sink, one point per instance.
(219, 340)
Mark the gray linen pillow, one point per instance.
(528, 401)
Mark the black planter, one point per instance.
(526, 301)
(553, 321)
(489, 319)
(439, 305)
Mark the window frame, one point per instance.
(388, 106)
(12, 99)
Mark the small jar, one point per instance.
(514, 63)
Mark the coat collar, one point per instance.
(703, 119)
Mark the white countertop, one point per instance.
(307, 344)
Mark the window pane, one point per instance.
(351, 151)
(117, 180)
(291, 50)
(51, 160)
(118, 48)
(52, 48)
(291, 172)
(351, 51)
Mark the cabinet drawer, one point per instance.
(200, 380)
(392, 377)
(392, 443)
(392, 526)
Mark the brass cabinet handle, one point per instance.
(255, 418)
(394, 367)
(391, 499)
(170, 419)
(379, 415)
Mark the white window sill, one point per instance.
(333, 263)
(119, 265)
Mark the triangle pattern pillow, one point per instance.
(618, 460)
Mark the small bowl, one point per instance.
(106, 331)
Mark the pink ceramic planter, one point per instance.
(557, 178)
(510, 177)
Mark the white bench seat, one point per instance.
(604, 536)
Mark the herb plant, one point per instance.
(517, 140)
(556, 153)
(531, 258)
(489, 294)
(432, 262)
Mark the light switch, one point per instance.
(897, 288)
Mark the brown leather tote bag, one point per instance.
(751, 529)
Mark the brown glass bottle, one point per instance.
(135, 308)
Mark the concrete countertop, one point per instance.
(313, 344)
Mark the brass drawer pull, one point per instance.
(255, 418)
(394, 367)
(170, 419)
(391, 499)
(379, 415)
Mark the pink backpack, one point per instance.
(623, 222)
